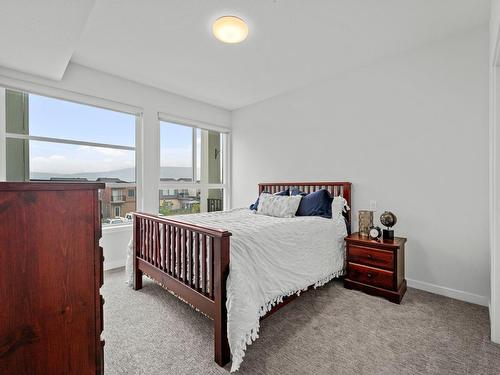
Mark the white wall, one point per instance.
(93, 87)
(410, 132)
(114, 243)
(495, 170)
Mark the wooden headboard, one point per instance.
(342, 189)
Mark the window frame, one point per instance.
(82, 99)
(203, 185)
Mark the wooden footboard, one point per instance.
(189, 260)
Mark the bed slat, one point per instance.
(141, 237)
(196, 261)
(164, 248)
(186, 257)
(157, 244)
(172, 250)
(204, 263)
(178, 253)
(145, 242)
(148, 240)
(183, 256)
(190, 243)
(211, 267)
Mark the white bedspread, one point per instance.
(271, 258)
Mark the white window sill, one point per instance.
(116, 228)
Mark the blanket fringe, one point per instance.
(253, 334)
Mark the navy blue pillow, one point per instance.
(345, 214)
(296, 191)
(318, 203)
(255, 206)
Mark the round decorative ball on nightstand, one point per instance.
(388, 219)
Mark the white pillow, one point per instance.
(339, 204)
(278, 205)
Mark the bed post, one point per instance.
(221, 271)
(137, 248)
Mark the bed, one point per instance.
(238, 267)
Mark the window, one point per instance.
(179, 201)
(192, 169)
(57, 140)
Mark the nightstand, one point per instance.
(376, 266)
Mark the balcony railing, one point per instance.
(118, 198)
(214, 204)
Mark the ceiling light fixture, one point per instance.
(230, 29)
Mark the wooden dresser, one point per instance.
(376, 266)
(50, 276)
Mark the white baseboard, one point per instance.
(115, 264)
(448, 292)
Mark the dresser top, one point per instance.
(46, 185)
(356, 238)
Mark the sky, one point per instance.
(56, 118)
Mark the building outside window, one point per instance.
(57, 140)
(192, 163)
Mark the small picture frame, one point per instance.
(365, 222)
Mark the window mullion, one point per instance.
(193, 153)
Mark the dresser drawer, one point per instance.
(371, 257)
(371, 276)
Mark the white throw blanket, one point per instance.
(271, 258)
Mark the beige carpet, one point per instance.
(331, 331)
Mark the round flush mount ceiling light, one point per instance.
(230, 29)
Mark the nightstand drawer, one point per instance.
(371, 276)
(371, 257)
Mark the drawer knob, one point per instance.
(370, 256)
(369, 275)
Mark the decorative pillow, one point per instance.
(297, 191)
(318, 203)
(339, 206)
(278, 205)
(339, 209)
(255, 206)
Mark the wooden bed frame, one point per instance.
(169, 251)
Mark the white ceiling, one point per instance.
(39, 37)
(168, 43)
